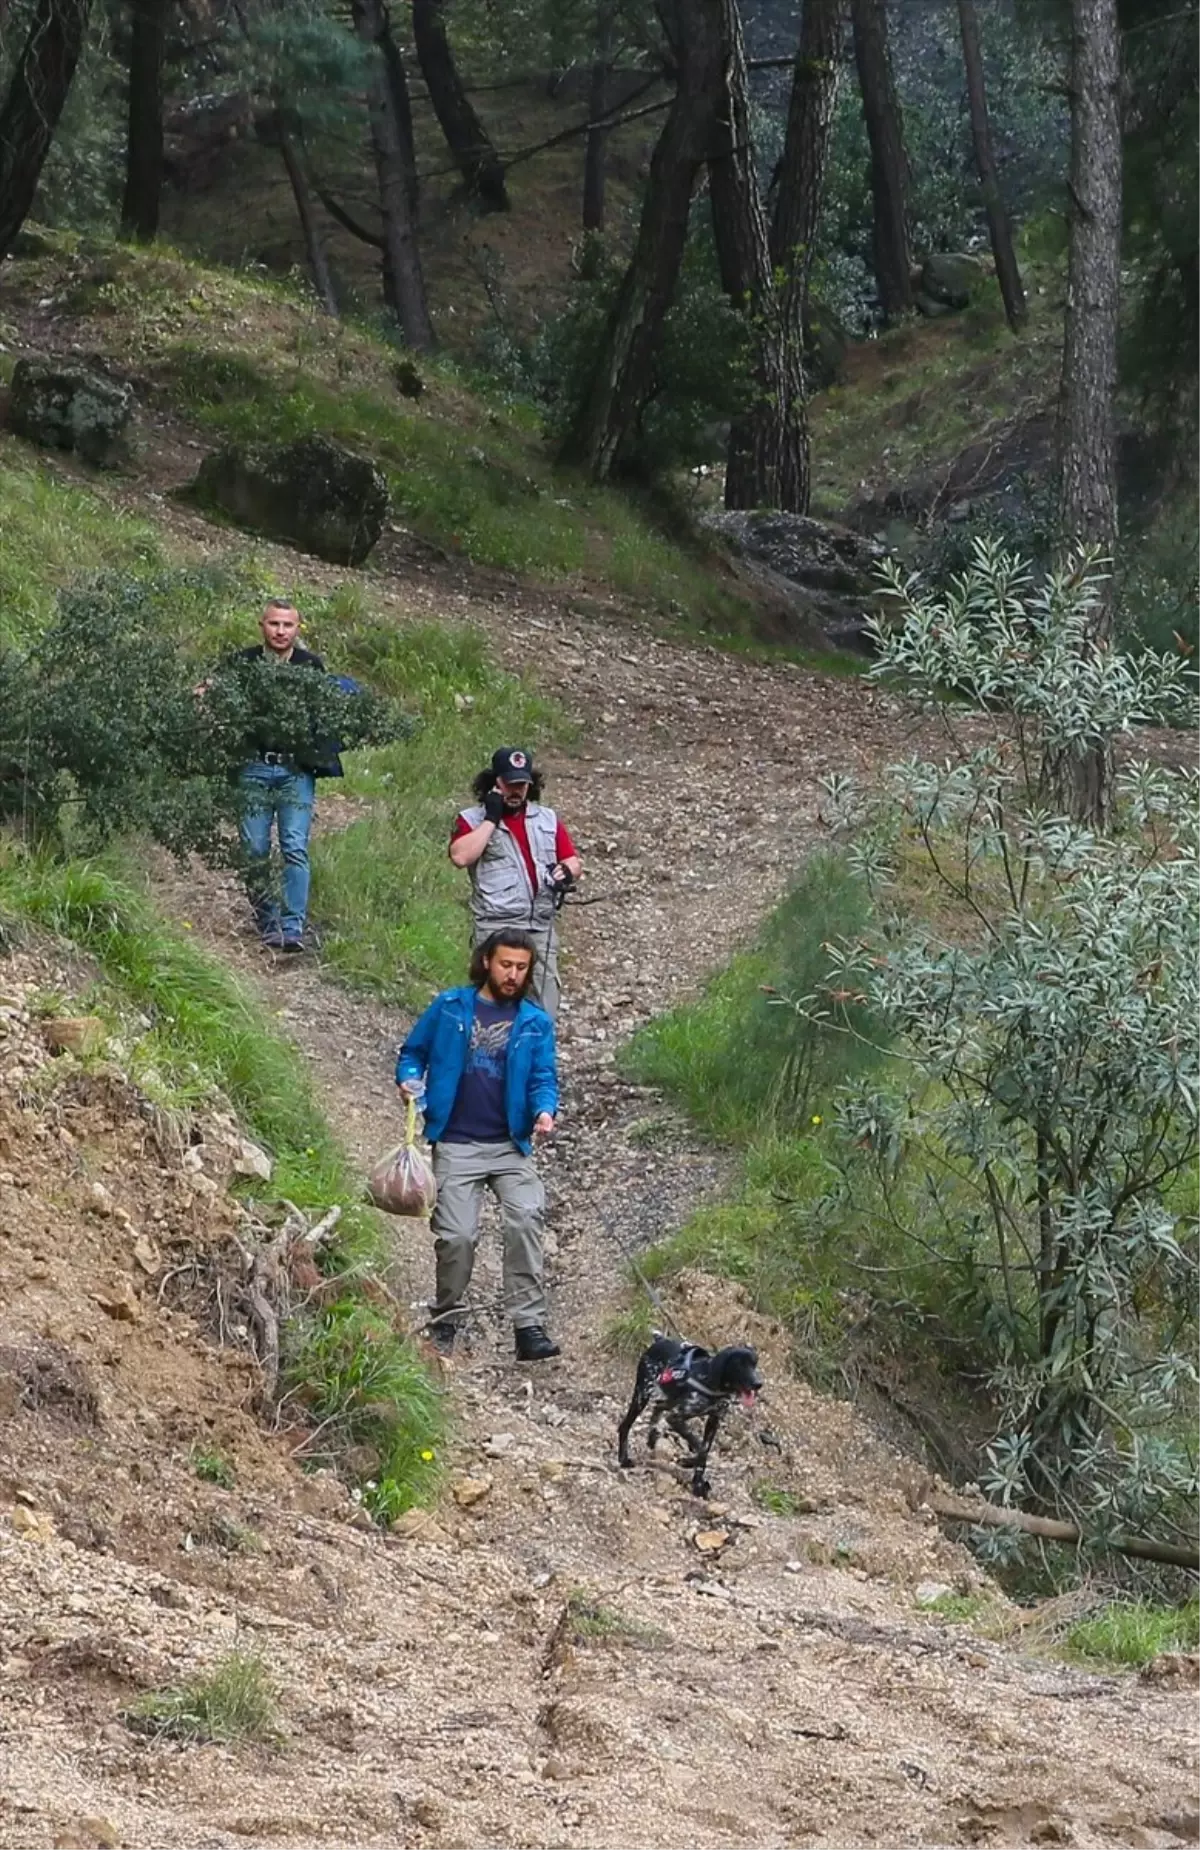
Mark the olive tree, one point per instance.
(1037, 1134)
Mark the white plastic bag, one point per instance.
(403, 1182)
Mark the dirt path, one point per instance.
(573, 1659)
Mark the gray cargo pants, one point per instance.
(462, 1171)
(544, 988)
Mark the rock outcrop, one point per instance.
(64, 407)
(824, 575)
(312, 493)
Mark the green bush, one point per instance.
(742, 1060)
(103, 731)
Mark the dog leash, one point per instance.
(631, 1260)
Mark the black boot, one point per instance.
(533, 1344)
(442, 1335)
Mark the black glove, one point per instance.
(561, 882)
(493, 807)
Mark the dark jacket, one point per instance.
(436, 1051)
(321, 758)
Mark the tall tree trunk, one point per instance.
(396, 171)
(768, 461)
(623, 374)
(144, 148)
(889, 163)
(466, 137)
(318, 263)
(1087, 431)
(595, 153)
(36, 93)
(1008, 275)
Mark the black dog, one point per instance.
(684, 1382)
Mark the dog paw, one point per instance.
(701, 1487)
(626, 1464)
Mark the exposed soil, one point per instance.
(580, 1655)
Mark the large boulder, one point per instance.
(824, 575)
(65, 407)
(312, 493)
(947, 282)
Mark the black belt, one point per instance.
(274, 758)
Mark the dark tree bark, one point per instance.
(36, 93)
(466, 137)
(768, 461)
(595, 154)
(1008, 275)
(283, 134)
(144, 147)
(396, 171)
(889, 162)
(623, 375)
(1087, 434)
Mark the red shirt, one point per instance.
(514, 822)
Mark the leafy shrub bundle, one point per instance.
(104, 732)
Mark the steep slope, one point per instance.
(563, 1653)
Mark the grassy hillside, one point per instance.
(221, 355)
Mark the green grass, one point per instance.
(776, 1500)
(1134, 1632)
(364, 1387)
(740, 1059)
(207, 1033)
(592, 1622)
(238, 1701)
(50, 531)
(212, 1467)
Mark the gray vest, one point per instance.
(500, 879)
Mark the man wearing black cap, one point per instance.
(519, 857)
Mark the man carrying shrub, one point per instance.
(521, 861)
(483, 1059)
(279, 785)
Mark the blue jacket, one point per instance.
(436, 1051)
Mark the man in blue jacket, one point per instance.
(484, 1058)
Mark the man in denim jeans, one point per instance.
(279, 787)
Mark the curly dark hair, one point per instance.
(509, 939)
(487, 780)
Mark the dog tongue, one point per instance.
(747, 1397)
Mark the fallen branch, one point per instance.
(992, 1516)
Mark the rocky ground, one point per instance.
(564, 1653)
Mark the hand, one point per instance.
(543, 1124)
(493, 807)
(410, 1088)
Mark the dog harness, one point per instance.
(678, 1375)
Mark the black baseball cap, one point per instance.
(513, 765)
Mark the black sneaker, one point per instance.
(293, 947)
(442, 1336)
(533, 1344)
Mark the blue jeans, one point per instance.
(273, 791)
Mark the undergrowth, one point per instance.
(1135, 1632)
(237, 1701)
(198, 1030)
(760, 1079)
